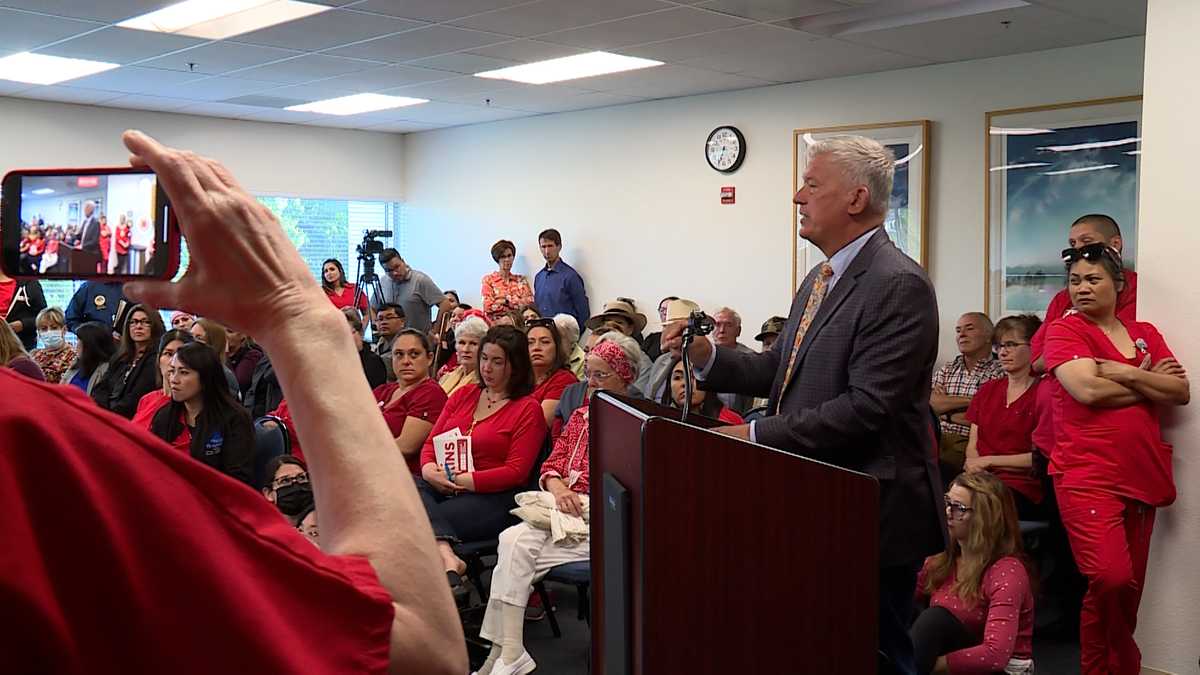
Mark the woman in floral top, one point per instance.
(57, 355)
(502, 290)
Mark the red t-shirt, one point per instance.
(147, 406)
(554, 386)
(1007, 429)
(728, 416)
(7, 290)
(122, 239)
(1117, 450)
(93, 562)
(423, 402)
(1043, 431)
(504, 445)
(346, 298)
(37, 246)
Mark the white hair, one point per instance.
(737, 318)
(472, 326)
(865, 161)
(568, 328)
(628, 345)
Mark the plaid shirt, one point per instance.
(956, 380)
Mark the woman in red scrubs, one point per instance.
(412, 403)
(1110, 465)
(339, 291)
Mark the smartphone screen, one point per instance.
(85, 224)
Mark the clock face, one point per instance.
(725, 149)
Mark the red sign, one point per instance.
(728, 194)
(88, 181)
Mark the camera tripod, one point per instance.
(366, 275)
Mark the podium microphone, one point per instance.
(699, 324)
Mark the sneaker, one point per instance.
(523, 665)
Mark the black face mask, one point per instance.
(293, 499)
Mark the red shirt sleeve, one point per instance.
(1005, 587)
(426, 402)
(528, 434)
(730, 417)
(552, 389)
(1058, 306)
(1065, 341)
(444, 421)
(143, 525)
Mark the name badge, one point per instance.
(214, 444)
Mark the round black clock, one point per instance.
(725, 149)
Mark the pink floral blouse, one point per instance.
(500, 296)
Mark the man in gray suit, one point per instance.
(848, 379)
(90, 229)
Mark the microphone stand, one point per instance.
(689, 377)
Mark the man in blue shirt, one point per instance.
(95, 301)
(558, 288)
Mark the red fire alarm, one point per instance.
(728, 194)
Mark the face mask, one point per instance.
(53, 339)
(293, 499)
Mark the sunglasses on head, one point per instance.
(541, 322)
(1091, 253)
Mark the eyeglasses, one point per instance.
(140, 322)
(1091, 253)
(1008, 346)
(298, 479)
(957, 511)
(596, 375)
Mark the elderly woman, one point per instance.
(467, 335)
(1110, 464)
(57, 355)
(502, 290)
(526, 552)
(568, 329)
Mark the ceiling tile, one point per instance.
(311, 91)
(463, 63)
(284, 116)
(402, 127)
(100, 10)
(21, 31)
(420, 43)
(980, 36)
(773, 10)
(526, 51)
(134, 80)
(434, 10)
(669, 80)
(8, 87)
(328, 29)
(157, 103)
(767, 42)
(472, 90)
(216, 58)
(214, 89)
(121, 45)
(534, 98)
(385, 77)
(219, 110)
(594, 99)
(1129, 14)
(545, 16)
(64, 94)
(455, 113)
(304, 69)
(663, 25)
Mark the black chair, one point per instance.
(577, 574)
(270, 441)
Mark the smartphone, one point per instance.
(111, 224)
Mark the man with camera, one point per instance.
(411, 289)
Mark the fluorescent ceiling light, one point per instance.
(46, 69)
(1026, 165)
(358, 103)
(1091, 146)
(219, 19)
(1081, 169)
(575, 67)
(1017, 131)
(44, 191)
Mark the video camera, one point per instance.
(370, 245)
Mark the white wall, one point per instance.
(284, 159)
(1168, 297)
(639, 207)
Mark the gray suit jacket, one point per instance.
(90, 234)
(859, 396)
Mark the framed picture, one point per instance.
(907, 221)
(1045, 167)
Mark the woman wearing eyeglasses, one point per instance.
(289, 489)
(1110, 465)
(527, 552)
(1003, 414)
(551, 377)
(503, 291)
(130, 373)
(979, 606)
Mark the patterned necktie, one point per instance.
(810, 311)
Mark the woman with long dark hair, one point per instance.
(703, 402)
(130, 373)
(96, 348)
(339, 291)
(551, 376)
(152, 402)
(203, 418)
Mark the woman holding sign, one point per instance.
(493, 431)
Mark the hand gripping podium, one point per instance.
(714, 555)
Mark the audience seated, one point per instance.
(622, 315)
(568, 329)
(727, 327)
(503, 291)
(130, 374)
(526, 551)
(264, 393)
(289, 489)
(529, 313)
(96, 347)
(506, 430)
(389, 321)
(1110, 464)
(770, 331)
(444, 350)
(13, 354)
(340, 291)
(512, 318)
(978, 615)
(211, 333)
(372, 365)
(467, 336)
(957, 381)
(153, 401)
(20, 302)
(576, 395)
(703, 402)
(1003, 414)
(203, 418)
(659, 380)
(412, 403)
(57, 355)
(550, 373)
(652, 345)
(308, 525)
(181, 320)
(242, 356)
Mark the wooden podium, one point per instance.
(715, 555)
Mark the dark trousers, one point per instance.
(469, 516)
(1027, 510)
(896, 586)
(936, 632)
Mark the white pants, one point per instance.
(526, 554)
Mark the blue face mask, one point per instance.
(53, 339)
